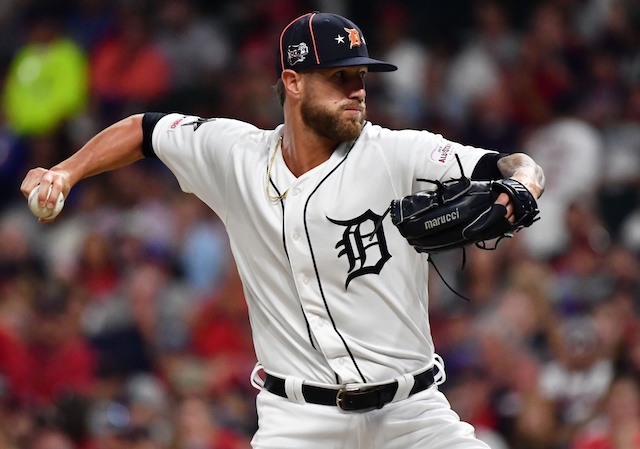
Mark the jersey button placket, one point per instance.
(300, 260)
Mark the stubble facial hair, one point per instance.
(328, 123)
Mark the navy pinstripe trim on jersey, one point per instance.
(315, 266)
(284, 241)
(149, 121)
(286, 251)
(306, 321)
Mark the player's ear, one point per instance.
(292, 82)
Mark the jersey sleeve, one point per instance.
(413, 156)
(197, 150)
(440, 159)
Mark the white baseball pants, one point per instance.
(422, 421)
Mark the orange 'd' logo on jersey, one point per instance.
(354, 37)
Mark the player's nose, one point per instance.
(358, 91)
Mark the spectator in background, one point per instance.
(61, 361)
(9, 35)
(471, 396)
(89, 22)
(616, 326)
(96, 268)
(19, 257)
(196, 428)
(547, 63)
(14, 365)
(47, 81)
(202, 246)
(565, 141)
(604, 104)
(535, 426)
(12, 159)
(128, 72)
(490, 122)
(197, 49)
(143, 323)
(619, 197)
(619, 193)
(630, 359)
(248, 93)
(404, 90)
(617, 426)
(520, 401)
(578, 376)
(51, 438)
(147, 399)
(581, 280)
(476, 68)
(112, 426)
(220, 335)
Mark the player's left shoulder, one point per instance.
(375, 135)
(379, 132)
(397, 143)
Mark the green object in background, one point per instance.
(46, 84)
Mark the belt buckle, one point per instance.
(348, 390)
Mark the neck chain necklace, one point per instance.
(274, 198)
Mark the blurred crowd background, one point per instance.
(122, 324)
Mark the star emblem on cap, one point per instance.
(340, 39)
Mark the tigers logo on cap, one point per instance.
(354, 37)
(316, 40)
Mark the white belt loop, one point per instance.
(293, 389)
(405, 384)
(440, 376)
(257, 382)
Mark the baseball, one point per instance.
(43, 212)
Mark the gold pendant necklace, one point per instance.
(274, 198)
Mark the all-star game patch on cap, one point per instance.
(323, 40)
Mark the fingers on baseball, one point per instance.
(50, 188)
(31, 180)
(50, 184)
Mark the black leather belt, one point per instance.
(351, 399)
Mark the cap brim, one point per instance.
(374, 65)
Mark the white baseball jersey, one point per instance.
(332, 298)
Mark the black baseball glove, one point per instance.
(461, 212)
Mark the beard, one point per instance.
(329, 124)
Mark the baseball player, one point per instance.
(337, 298)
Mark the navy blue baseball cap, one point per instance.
(323, 40)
